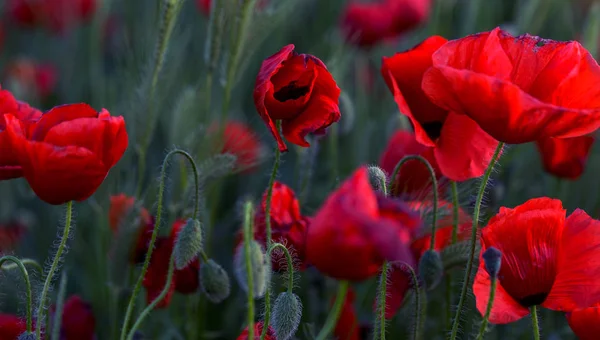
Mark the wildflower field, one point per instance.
(299, 169)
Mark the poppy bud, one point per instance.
(261, 269)
(287, 313)
(492, 259)
(377, 178)
(431, 269)
(188, 244)
(214, 281)
(26, 336)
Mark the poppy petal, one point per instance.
(58, 114)
(320, 112)
(565, 157)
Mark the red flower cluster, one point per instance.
(298, 90)
(56, 15)
(258, 327)
(78, 321)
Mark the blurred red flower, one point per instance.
(565, 157)
(518, 89)
(347, 327)
(68, 152)
(57, 15)
(462, 150)
(585, 323)
(31, 77)
(11, 326)
(120, 205)
(10, 234)
(298, 90)
(9, 163)
(367, 24)
(547, 260)
(357, 229)
(258, 327)
(78, 321)
(241, 141)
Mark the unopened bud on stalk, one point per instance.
(492, 259)
(214, 281)
(287, 313)
(26, 336)
(377, 178)
(261, 269)
(188, 244)
(431, 269)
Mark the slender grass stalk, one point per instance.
(60, 301)
(535, 323)
(248, 215)
(381, 303)
(335, 312)
(41, 312)
(290, 264)
(212, 49)
(473, 241)
(19, 264)
(455, 209)
(488, 309)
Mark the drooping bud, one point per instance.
(492, 259)
(261, 269)
(431, 269)
(287, 313)
(377, 178)
(188, 244)
(26, 336)
(214, 281)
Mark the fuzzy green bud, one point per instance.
(377, 178)
(214, 281)
(26, 336)
(431, 269)
(188, 244)
(261, 269)
(492, 259)
(287, 313)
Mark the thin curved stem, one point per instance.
(535, 323)
(381, 301)
(26, 262)
(53, 267)
(248, 215)
(455, 209)
(473, 241)
(18, 263)
(290, 264)
(334, 315)
(60, 300)
(488, 309)
(161, 191)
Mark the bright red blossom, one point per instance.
(357, 229)
(258, 327)
(585, 323)
(57, 15)
(565, 157)
(11, 326)
(68, 152)
(547, 260)
(298, 90)
(461, 149)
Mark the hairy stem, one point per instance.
(488, 309)
(248, 215)
(18, 263)
(334, 315)
(535, 323)
(290, 264)
(60, 300)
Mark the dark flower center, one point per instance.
(291, 91)
(433, 129)
(533, 300)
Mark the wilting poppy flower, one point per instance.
(11, 326)
(240, 141)
(357, 229)
(585, 323)
(78, 321)
(369, 23)
(547, 260)
(258, 327)
(57, 15)
(10, 234)
(462, 150)
(9, 163)
(298, 90)
(347, 327)
(37, 79)
(67, 154)
(565, 157)
(517, 89)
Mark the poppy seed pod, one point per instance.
(26, 336)
(431, 269)
(214, 282)
(188, 244)
(261, 269)
(492, 259)
(287, 313)
(377, 178)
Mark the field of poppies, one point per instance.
(299, 169)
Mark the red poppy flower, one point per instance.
(347, 327)
(357, 229)
(565, 157)
(10, 234)
(35, 78)
(298, 90)
(518, 89)
(546, 260)
(240, 141)
(120, 205)
(462, 150)
(257, 331)
(11, 326)
(78, 321)
(585, 323)
(366, 24)
(67, 154)
(57, 15)
(9, 163)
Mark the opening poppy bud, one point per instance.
(287, 313)
(214, 282)
(188, 244)
(377, 178)
(261, 269)
(431, 269)
(492, 259)
(27, 336)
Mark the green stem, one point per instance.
(159, 212)
(417, 289)
(212, 48)
(268, 233)
(381, 301)
(488, 309)
(334, 315)
(448, 296)
(467, 278)
(535, 323)
(290, 264)
(60, 300)
(53, 267)
(18, 263)
(455, 209)
(26, 262)
(248, 235)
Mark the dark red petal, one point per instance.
(565, 157)
(120, 205)
(78, 321)
(347, 326)
(61, 114)
(156, 276)
(320, 112)
(585, 323)
(396, 289)
(11, 326)
(285, 208)
(258, 327)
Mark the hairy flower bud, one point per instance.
(431, 269)
(214, 281)
(26, 336)
(492, 259)
(261, 269)
(188, 244)
(377, 178)
(287, 313)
